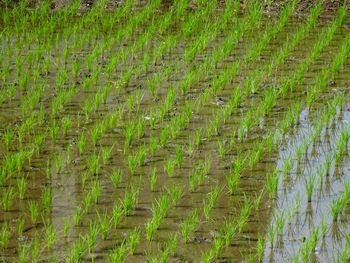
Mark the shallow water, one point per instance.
(67, 185)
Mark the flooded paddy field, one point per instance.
(174, 133)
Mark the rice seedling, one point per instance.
(20, 223)
(179, 156)
(118, 254)
(310, 185)
(6, 233)
(87, 202)
(129, 134)
(78, 213)
(272, 183)
(232, 182)
(104, 224)
(92, 236)
(116, 215)
(106, 154)
(34, 211)
(116, 177)
(280, 220)
(82, 144)
(244, 215)
(7, 198)
(22, 185)
(130, 200)
(47, 193)
(51, 236)
(169, 168)
(93, 163)
(219, 243)
(77, 252)
(132, 163)
(153, 179)
(58, 163)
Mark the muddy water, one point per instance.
(69, 192)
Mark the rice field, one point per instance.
(174, 132)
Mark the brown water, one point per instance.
(68, 192)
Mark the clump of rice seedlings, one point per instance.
(104, 224)
(84, 177)
(256, 156)
(189, 225)
(47, 197)
(132, 163)
(134, 240)
(179, 156)
(93, 163)
(77, 252)
(309, 186)
(116, 215)
(6, 233)
(82, 144)
(198, 138)
(193, 181)
(239, 163)
(129, 134)
(151, 226)
(245, 212)
(141, 155)
(129, 200)
(7, 198)
(337, 206)
(153, 145)
(324, 226)
(39, 141)
(169, 168)
(96, 134)
(153, 179)
(221, 149)
(176, 192)
(315, 235)
(164, 137)
(106, 154)
(272, 183)
(23, 252)
(87, 202)
(208, 256)
(232, 181)
(280, 220)
(54, 130)
(22, 185)
(260, 248)
(8, 137)
(78, 213)
(118, 254)
(219, 243)
(190, 148)
(140, 128)
(50, 234)
(258, 198)
(20, 223)
(287, 165)
(92, 236)
(116, 177)
(34, 210)
(58, 162)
